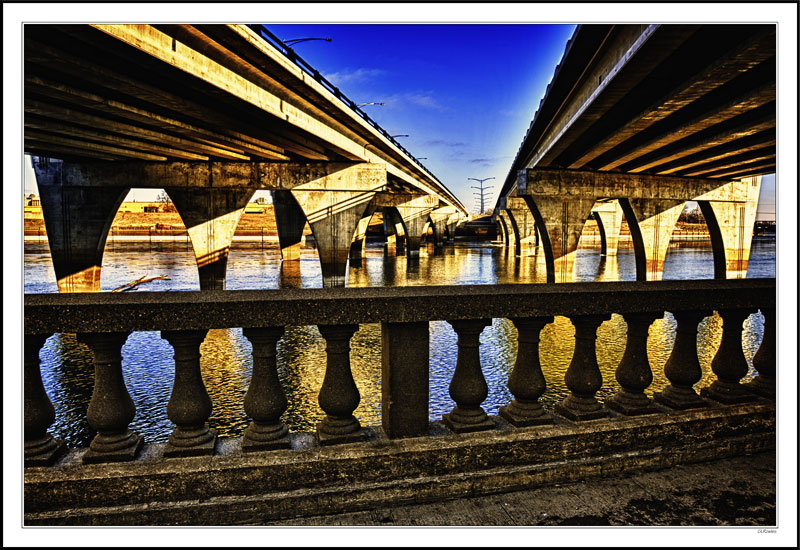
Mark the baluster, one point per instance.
(111, 408)
(764, 359)
(189, 405)
(339, 395)
(633, 373)
(583, 377)
(468, 387)
(526, 381)
(265, 401)
(41, 448)
(729, 363)
(682, 368)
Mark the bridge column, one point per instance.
(77, 218)
(439, 218)
(608, 216)
(210, 215)
(290, 222)
(393, 231)
(334, 204)
(651, 222)
(358, 246)
(523, 224)
(509, 233)
(730, 214)
(560, 221)
(415, 213)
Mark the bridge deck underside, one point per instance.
(677, 100)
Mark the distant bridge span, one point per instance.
(210, 113)
(650, 116)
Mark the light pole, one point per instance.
(399, 135)
(481, 188)
(293, 41)
(370, 103)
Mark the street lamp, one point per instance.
(481, 189)
(399, 135)
(370, 103)
(293, 41)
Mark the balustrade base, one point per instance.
(206, 448)
(265, 438)
(44, 452)
(761, 386)
(581, 408)
(631, 404)
(462, 427)
(250, 446)
(729, 394)
(523, 415)
(336, 439)
(679, 398)
(126, 454)
(333, 431)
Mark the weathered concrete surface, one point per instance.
(107, 312)
(231, 488)
(738, 491)
(77, 220)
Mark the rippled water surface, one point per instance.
(226, 362)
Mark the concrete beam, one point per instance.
(586, 183)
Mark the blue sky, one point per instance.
(463, 93)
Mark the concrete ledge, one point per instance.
(234, 488)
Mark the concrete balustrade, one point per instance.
(404, 313)
(184, 319)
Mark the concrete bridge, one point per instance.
(643, 118)
(210, 113)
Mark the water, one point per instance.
(226, 363)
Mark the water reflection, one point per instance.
(226, 363)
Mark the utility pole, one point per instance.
(481, 189)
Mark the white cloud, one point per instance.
(349, 76)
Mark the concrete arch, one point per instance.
(651, 223)
(77, 219)
(394, 230)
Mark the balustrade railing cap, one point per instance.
(108, 312)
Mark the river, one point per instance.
(226, 364)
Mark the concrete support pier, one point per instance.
(730, 219)
(562, 218)
(608, 215)
(393, 231)
(358, 246)
(523, 224)
(290, 222)
(415, 211)
(651, 223)
(334, 204)
(77, 218)
(210, 215)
